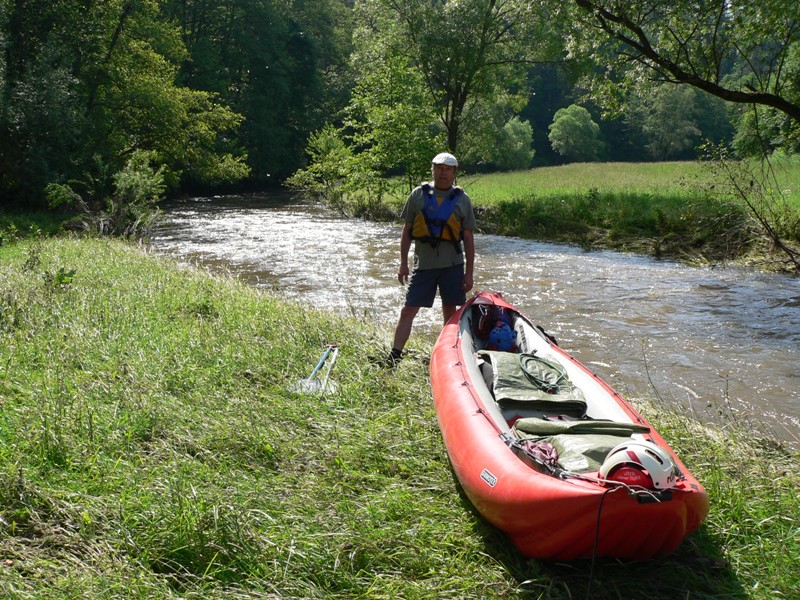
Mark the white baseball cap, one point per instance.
(444, 158)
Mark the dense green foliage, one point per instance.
(468, 54)
(282, 66)
(221, 93)
(433, 77)
(152, 446)
(513, 146)
(84, 86)
(210, 92)
(747, 53)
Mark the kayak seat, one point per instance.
(522, 336)
(534, 426)
(526, 384)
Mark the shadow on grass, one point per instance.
(696, 570)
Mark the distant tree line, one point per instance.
(112, 102)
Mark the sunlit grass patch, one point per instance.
(577, 179)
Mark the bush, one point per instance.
(130, 211)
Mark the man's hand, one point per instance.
(402, 274)
(467, 282)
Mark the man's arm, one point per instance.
(405, 246)
(469, 259)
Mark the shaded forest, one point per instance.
(102, 101)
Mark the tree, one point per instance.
(666, 118)
(758, 133)
(283, 68)
(741, 51)
(139, 107)
(390, 122)
(467, 52)
(42, 121)
(388, 126)
(513, 146)
(574, 135)
(744, 52)
(552, 86)
(431, 76)
(87, 85)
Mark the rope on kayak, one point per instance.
(549, 467)
(596, 541)
(642, 494)
(639, 493)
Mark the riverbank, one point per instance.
(152, 446)
(679, 210)
(676, 210)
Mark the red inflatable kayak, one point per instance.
(548, 452)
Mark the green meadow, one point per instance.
(676, 178)
(153, 445)
(680, 180)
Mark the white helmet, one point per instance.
(639, 463)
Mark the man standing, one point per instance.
(440, 220)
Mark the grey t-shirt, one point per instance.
(444, 254)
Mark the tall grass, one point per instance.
(152, 445)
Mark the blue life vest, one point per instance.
(436, 221)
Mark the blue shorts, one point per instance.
(422, 287)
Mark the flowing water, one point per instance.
(716, 341)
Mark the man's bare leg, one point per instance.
(403, 331)
(448, 310)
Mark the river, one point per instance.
(723, 343)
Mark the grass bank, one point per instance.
(677, 209)
(151, 446)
